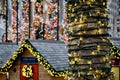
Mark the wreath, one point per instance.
(27, 71)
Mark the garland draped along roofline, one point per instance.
(35, 53)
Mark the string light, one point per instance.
(115, 51)
(39, 57)
(93, 51)
(50, 27)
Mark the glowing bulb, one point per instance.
(90, 68)
(99, 22)
(102, 24)
(95, 77)
(88, 2)
(81, 38)
(97, 71)
(98, 47)
(72, 62)
(98, 12)
(72, 15)
(93, 0)
(69, 55)
(75, 20)
(76, 59)
(80, 25)
(84, 32)
(103, 40)
(89, 62)
(90, 14)
(99, 31)
(75, 4)
(106, 57)
(93, 52)
(104, 15)
(72, 9)
(103, 3)
(70, 29)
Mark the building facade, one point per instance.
(1, 20)
(116, 29)
(24, 63)
(34, 19)
(113, 7)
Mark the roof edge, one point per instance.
(47, 41)
(36, 54)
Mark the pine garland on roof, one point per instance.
(115, 51)
(48, 67)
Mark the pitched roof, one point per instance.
(115, 42)
(51, 54)
(6, 51)
(115, 47)
(55, 52)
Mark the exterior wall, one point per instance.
(15, 70)
(115, 68)
(116, 72)
(16, 75)
(117, 27)
(2, 76)
(2, 24)
(43, 74)
(113, 6)
(58, 78)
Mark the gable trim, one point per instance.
(115, 51)
(35, 53)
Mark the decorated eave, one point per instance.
(115, 52)
(42, 60)
(115, 47)
(6, 51)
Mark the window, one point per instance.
(118, 21)
(29, 60)
(118, 29)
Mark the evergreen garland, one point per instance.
(89, 46)
(115, 51)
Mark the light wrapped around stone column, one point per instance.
(88, 40)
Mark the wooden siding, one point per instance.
(2, 76)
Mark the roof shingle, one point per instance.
(6, 51)
(55, 52)
(116, 42)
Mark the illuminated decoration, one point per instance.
(115, 51)
(23, 21)
(27, 71)
(51, 31)
(25, 17)
(36, 54)
(12, 29)
(63, 34)
(50, 21)
(2, 72)
(88, 42)
(50, 27)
